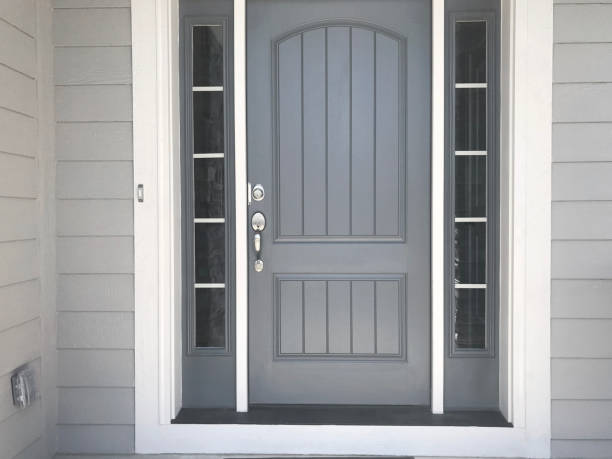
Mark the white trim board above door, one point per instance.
(525, 252)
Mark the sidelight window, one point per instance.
(471, 186)
(204, 193)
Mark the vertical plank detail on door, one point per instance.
(387, 317)
(335, 182)
(362, 113)
(291, 336)
(338, 98)
(348, 316)
(339, 317)
(315, 317)
(290, 136)
(389, 163)
(363, 317)
(314, 132)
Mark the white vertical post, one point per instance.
(437, 207)
(242, 329)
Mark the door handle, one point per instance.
(258, 223)
(257, 243)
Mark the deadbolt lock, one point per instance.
(258, 192)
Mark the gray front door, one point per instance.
(338, 115)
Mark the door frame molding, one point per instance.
(526, 119)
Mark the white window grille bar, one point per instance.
(471, 153)
(474, 286)
(470, 85)
(471, 20)
(209, 220)
(209, 285)
(208, 155)
(207, 88)
(470, 219)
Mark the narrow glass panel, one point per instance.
(208, 122)
(209, 188)
(208, 56)
(470, 186)
(210, 317)
(209, 253)
(470, 318)
(470, 253)
(471, 52)
(471, 119)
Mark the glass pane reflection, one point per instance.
(470, 253)
(471, 52)
(470, 186)
(208, 130)
(208, 56)
(209, 253)
(470, 119)
(210, 317)
(208, 178)
(470, 318)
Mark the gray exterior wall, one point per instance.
(95, 299)
(582, 230)
(26, 273)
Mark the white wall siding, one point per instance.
(96, 292)
(18, 92)
(90, 26)
(581, 348)
(21, 14)
(17, 49)
(107, 65)
(18, 430)
(23, 316)
(84, 405)
(95, 439)
(96, 368)
(94, 141)
(19, 177)
(95, 298)
(17, 134)
(95, 217)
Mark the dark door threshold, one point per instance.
(344, 415)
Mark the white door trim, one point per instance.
(240, 165)
(437, 206)
(526, 136)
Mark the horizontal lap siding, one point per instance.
(96, 368)
(99, 439)
(17, 50)
(21, 431)
(19, 219)
(581, 348)
(17, 92)
(85, 66)
(60, 4)
(21, 14)
(95, 226)
(17, 133)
